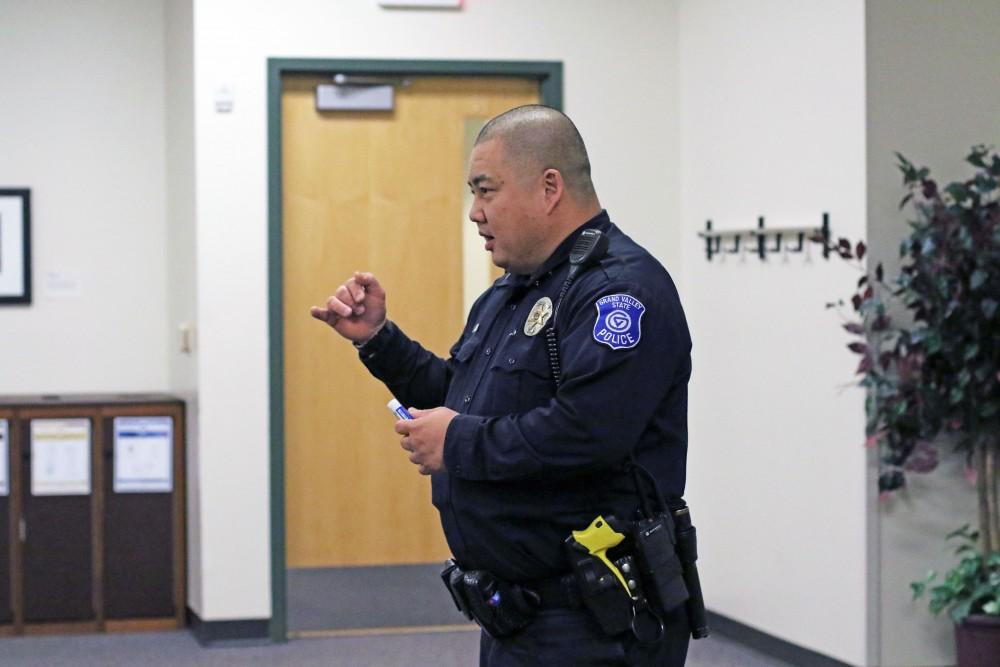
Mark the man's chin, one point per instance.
(498, 261)
(507, 265)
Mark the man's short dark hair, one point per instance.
(540, 137)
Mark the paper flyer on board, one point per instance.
(60, 457)
(143, 455)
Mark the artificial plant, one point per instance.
(929, 343)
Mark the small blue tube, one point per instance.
(396, 408)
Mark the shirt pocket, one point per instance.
(467, 349)
(519, 378)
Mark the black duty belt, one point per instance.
(557, 592)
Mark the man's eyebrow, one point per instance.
(476, 180)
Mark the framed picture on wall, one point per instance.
(15, 245)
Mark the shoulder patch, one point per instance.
(618, 319)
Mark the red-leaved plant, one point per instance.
(929, 341)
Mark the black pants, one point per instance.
(571, 637)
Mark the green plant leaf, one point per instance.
(958, 191)
(978, 279)
(962, 531)
(966, 238)
(960, 611)
(992, 608)
(936, 605)
(989, 306)
(977, 157)
(933, 342)
(983, 589)
(985, 184)
(905, 166)
(928, 246)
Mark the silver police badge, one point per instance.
(539, 315)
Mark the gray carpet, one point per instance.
(368, 597)
(172, 649)
(325, 599)
(176, 649)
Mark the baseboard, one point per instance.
(221, 634)
(768, 644)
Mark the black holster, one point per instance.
(601, 594)
(670, 569)
(657, 568)
(499, 607)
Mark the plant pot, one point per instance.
(977, 641)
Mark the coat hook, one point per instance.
(826, 235)
(797, 237)
(777, 243)
(801, 244)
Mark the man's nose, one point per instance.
(476, 214)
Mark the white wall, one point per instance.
(620, 88)
(931, 104)
(81, 107)
(772, 102)
(180, 252)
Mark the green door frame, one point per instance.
(550, 77)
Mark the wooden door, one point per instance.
(383, 192)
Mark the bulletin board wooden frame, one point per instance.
(100, 410)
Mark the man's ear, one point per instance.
(553, 188)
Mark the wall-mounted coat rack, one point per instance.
(763, 240)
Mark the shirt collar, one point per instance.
(600, 221)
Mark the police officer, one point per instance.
(516, 462)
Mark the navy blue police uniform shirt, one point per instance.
(527, 463)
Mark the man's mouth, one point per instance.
(489, 241)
